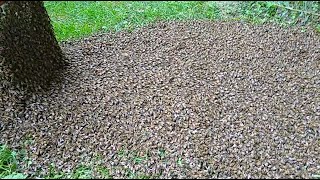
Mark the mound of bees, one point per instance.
(180, 100)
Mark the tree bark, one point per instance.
(29, 50)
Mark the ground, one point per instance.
(180, 99)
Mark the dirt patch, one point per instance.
(195, 99)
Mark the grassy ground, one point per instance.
(78, 19)
(287, 13)
(74, 19)
(9, 164)
(10, 167)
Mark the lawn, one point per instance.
(77, 19)
(72, 19)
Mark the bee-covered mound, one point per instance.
(191, 99)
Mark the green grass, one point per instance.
(285, 13)
(104, 172)
(9, 167)
(136, 175)
(180, 162)
(162, 153)
(73, 19)
(9, 164)
(81, 172)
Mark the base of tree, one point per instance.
(29, 50)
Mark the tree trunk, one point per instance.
(29, 50)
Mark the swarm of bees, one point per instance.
(183, 99)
